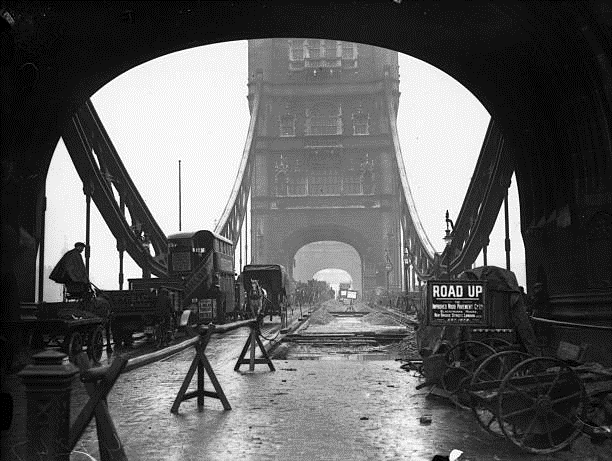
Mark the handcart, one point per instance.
(484, 357)
(70, 325)
(541, 404)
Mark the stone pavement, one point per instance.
(305, 410)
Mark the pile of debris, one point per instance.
(321, 317)
(380, 318)
(407, 349)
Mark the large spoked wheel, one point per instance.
(455, 381)
(468, 354)
(483, 397)
(96, 344)
(74, 344)
(541, 404)
(497, 343)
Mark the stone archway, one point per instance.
(319, 256)
(541, 69)
(369, 257)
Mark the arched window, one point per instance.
(324, 119)
(281, 184)
(287, 125)
(315, 54)
(361, 122)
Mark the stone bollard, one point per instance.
(48, 384)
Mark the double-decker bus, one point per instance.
(205, 262)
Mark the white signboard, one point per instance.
(456, 303)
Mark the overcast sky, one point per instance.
(192, 106)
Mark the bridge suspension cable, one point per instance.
(230, 223)
(420, 249)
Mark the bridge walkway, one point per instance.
(305, 410)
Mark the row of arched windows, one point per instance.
(323, 120)
(331, 181)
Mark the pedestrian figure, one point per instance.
(70, 270)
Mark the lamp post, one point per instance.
(388, 268)
(448, 239)
(406, 269)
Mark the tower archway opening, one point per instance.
(331, 261)
(334, 278)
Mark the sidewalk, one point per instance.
(14, 438)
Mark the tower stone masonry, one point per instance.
(324, 161)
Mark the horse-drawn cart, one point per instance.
(276, 285)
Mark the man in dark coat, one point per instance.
(70, 270)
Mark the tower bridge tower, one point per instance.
(324, 160)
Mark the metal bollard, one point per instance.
(48, 382)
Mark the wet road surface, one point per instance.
(305, 410)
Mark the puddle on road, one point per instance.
(289, 351)
(360, 348)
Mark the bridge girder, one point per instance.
(542, 70)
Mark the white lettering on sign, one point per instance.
(454, 303)
(456, 291)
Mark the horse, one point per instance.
(256, 296)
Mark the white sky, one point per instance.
(192, 106)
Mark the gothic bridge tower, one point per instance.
(324, 159)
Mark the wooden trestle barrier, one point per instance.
(109, 443)
(48, 386)
(200, 363)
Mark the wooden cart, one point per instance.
(67, 327)
(541, 404)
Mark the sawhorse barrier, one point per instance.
(200, 363)
(48, 384)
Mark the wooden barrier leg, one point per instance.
(215, 382)
(100, 393)
(242, 354)
(200, 384)
(201, 364)
(181, 393)
(110, 445)
(253, 340)
(252, 360)
(265, 353)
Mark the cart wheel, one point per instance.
(455, 381)
(74, 345)
(469, 354)
(541, 404)
(497, 343)
(96, 344)
(483, 401)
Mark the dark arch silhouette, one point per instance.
(542, 70)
